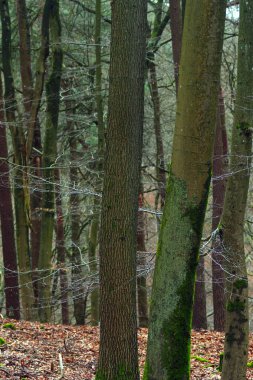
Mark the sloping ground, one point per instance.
(31, 351)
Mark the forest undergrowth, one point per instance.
(31, 350)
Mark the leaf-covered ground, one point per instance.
(33, 351)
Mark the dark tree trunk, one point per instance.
(199, 318)
(21, 194)
(118, 334)
(49, 158)
(11, 287)
(176, 34)
(61, 251)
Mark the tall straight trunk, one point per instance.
(33, 141)
(30, 118)
(49, 157)
(77, 282)
(11, 288)
(168, 352)
(219, 169)
(76, 258)
(141, 278)
(94, 228)
(118, 356)
(61, 251)
(21, 196)
(232, 223)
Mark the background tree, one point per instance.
(232, 223)
(49, 157)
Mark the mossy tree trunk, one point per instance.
(49, 158)
(168, 354)
(118, 357)
(232, 223)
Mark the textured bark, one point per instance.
(11, 288)
(21, 196)
(219, 169)
(168, 354)
(49, 157)
(61, 251)
(141, 278)
(118, 357)
(232, 223)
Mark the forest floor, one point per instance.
(32, 350)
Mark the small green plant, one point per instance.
(42, 327)
(250, 364)
(219, 368)
(2, 341)
(200, 359)
(10, 326)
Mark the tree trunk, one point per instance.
(94, 228)
(31, 100)
(61, 251)
(118, 334)
(160, 164)
(11, 287)
(219, 168)
(21, 196)
(77, 276)
(25, 56)
(168, 354)
(49, 157)
(158, 28)
(232, 223)
(199, 317)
